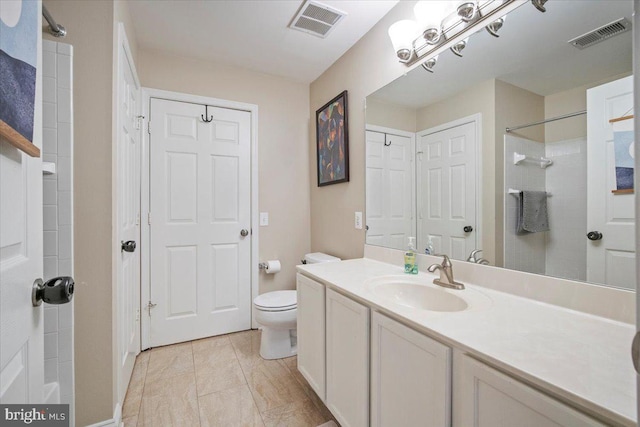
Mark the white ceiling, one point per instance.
(532, 52)
(252, 34)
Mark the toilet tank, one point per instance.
(318, 257)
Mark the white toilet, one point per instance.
(277, 312)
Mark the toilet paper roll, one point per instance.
(273, 266)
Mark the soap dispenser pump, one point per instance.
(410, 265)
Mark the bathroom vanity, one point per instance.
(382, 348)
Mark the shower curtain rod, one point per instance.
(553, 119)
(54, 28)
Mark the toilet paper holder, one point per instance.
(262, 266)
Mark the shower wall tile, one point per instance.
(522, 252)
(567, 180)
(58, 211)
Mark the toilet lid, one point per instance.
(280, 300)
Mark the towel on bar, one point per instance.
(532, 212)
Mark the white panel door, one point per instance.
(389, 188)
(311, 333)
(347, 360)
(447, 190)
(21, 251)
(128, 217)
(610, 260)
(410, 377)
(200, 203)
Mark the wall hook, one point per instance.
(206, 113)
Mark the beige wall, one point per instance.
(366, 67)
(479, 98)
(90, 30)
(283, 129)
(514, 106)
(390, 115)
(570, 101)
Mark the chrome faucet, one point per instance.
(472, 258)
(446, 274)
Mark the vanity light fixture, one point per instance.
(402, 34)
(495, 26)
(467, 10)
(459, 47)
(430, 15)
(430, 63)
(539, 4)
(442, 22)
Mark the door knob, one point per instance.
(128, 246)
(244, 232)
(635, 352)
(594, 235)
(468, 229)
(58, 290)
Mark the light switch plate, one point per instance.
(264, 219)
(358, 223)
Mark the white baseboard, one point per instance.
(116, 421)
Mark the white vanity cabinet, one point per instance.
(311, 333)
(347, 350)
(410, 376)
(485, 397)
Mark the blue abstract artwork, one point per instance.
(623, 148)
(18, 61)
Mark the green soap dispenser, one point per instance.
(410, 265)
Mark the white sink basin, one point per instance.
(419, 292)
(420, 296)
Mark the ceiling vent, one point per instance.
(316, 18)
(620, 26)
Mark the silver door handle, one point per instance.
(244, 232)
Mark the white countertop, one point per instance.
(579, 357)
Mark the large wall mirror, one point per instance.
(441, 165)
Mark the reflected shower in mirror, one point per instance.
(442, 166)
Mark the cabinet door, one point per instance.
(347, 360)
(311, 335)
(485, 397)
(410, 377)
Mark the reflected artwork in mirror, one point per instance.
(509, 149)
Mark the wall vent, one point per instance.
(620, 26)
(316, 18)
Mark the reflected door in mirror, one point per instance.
(447, 190)
(389, 187)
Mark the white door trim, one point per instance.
(147, 94)
(476, 119)
(122, 45)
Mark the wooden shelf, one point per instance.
(625, 191)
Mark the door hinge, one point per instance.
(149, 127)
(149, 218)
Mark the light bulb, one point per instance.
(402, 35)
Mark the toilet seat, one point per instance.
(276, 301)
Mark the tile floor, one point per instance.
(219, 381)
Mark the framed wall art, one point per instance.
(332, 141)
(18, 61)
